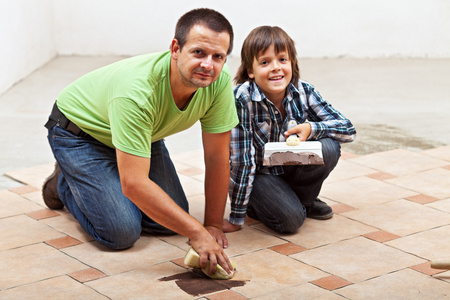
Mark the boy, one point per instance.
(269, 94)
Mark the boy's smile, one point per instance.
(272, 72)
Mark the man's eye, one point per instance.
(197, 52)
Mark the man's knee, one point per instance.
(121, 236)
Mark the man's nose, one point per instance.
(207, 63)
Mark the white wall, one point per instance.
(26, 38)
(32, 32)
(321, 28)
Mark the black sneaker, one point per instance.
(319, 210)
(50, 190)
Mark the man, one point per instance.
(106, 131)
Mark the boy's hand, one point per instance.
(219, 235)
(302, 130)
(228, 227)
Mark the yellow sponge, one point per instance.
(192, 259)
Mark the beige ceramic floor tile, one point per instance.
(192, 158)
(399, 162)
(432, 244)
(435, 183)
(302, 291)
(404, 284)
(36, 197)
(357, 259)
(347, 169)
(12, 204)
(34, 176)
(191, 187)
(34, 263)
(315, 233)
(197, 206)
(400, 217)
(145, 252)
(266, 271)
(363, 191)
(66, 223)
(249, 239)
(177, 240)
(62, 287)
(442, 205)
(22, 231)
(142, 283)
(441, 153)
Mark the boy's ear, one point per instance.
(250, 74)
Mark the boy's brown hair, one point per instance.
(257, 42)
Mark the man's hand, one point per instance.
(218, 235)
(208, 249)
(302, 130)
(228, 227)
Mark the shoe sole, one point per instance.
(324, 217)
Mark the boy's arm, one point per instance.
(324, 119)
(243, 167)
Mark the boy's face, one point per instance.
(272, 72)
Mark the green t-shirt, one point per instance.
(128, 105)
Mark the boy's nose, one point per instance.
(275, 65)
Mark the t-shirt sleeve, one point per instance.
(221, 116)
(131, 127)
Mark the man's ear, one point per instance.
(174, 49)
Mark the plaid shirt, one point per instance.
(261, 122)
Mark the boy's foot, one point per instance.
(319, 210)
(50, 190)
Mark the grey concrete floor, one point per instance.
(394, 103)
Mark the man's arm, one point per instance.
(216, 148)
(156, 204)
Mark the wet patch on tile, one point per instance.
(87, 275)
(342, 208)
(331, 282)
(381, 176)
(195, 283)
(43, 214)
(288, 248)
(381, 236)
(25, 189)
(227, 295)
(426, 268)
(63, 242)
(422, 199)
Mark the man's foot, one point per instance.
(50, 190)
(319, 210)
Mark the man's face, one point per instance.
(203, 55)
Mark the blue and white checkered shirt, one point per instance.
(261, 122)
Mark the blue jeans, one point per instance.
(89, 187)
(279, 201)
